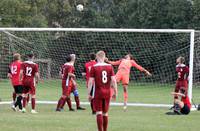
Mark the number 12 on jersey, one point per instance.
(28, 71)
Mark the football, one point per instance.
(79, 7)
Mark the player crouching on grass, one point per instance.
(69, 85)
(13, 74)
(102, 75)
(182, 106)
(29, 76)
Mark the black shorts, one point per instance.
(18, 89)
(185, 110)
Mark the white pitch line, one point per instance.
(112, 104)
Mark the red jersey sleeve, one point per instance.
(92, 72)
(134, 64)
(112, 72)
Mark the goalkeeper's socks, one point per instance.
(33, 103)
(99, 118)
(105, 123)
(125, 97)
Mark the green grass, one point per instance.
(135, 119)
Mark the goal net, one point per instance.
(155, 50)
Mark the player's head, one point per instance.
(16, 56)
(100, 56)
(180, 60)
(129, 57)
(73, 57)
(68, 58)
(30, 55)
(92, 56)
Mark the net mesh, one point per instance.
(155, 51)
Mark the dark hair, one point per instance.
(92, 56)
(68, 58)
(30, 54)
(131, 56)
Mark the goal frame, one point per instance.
(191, 31)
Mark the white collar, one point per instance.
(180, 65)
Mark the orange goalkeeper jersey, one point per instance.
(125, 65)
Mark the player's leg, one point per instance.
(13, 96)
(33, 99)
(125, 82)
(68, 99)
(177, 88)
(62, 99)
(27, 99)
(24, 96)
(106, 103)
(76, 98)
(92, 101)
(178, 106)
(19, 96)
(99, 115)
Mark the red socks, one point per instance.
(105, 123)
(60, 102)
(77, 101)
(69, 103)
(24, 102)
(33, 103)
(63, 104)
(99, 118)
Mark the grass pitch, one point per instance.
(135, 119)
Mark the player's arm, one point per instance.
(61, 72)
(70, 74)
(140, 68)
(178, 94)
(114, 86)
(90, 83)
(20, 75)
(84, 71)
(37, 77)
(9, 75)
(115, 63)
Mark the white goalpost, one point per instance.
(154, 49)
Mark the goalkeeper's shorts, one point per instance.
(122, 76)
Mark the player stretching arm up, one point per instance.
(123, 73)
(102, 75)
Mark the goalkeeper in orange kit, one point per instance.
(123, 73)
